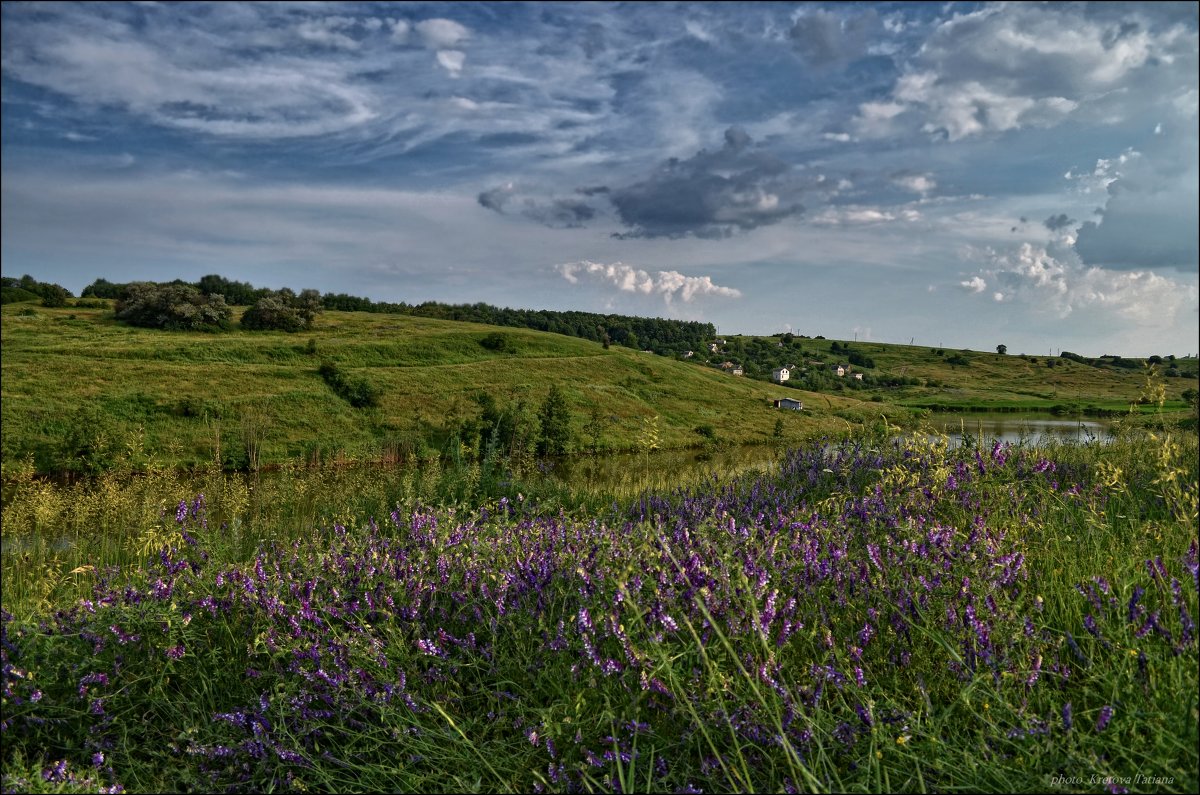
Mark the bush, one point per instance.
(177, 307)
(860, 360)
(500, 343)
(358, 392)
(283, 311)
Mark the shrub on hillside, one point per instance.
(358, 392)
(283, 311)
(172, 306)
(500, 343)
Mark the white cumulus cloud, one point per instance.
(441, 34)
(669, 284)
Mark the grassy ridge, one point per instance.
(192, 394)
(76, 381)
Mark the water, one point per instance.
(1020, 428)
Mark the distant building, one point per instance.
(781, 375)
(858, 376)
(788, 403)
(838, 370)
(737, 370)
(688, 354)
(712, 347)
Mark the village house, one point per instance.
(781, 375)
(688, 354)
(838, 370)
(788, 403)
(712, 347)
(858, 376)
(738, 370)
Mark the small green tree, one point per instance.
(555, 418)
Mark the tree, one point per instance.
(172, 306)
(555, 417)
(283, 310)
(54, 295)
(1001, 349)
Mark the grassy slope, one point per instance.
(189, 390)
(428, 369)
(1006, 381)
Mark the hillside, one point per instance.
(963, 380)
(78, 386)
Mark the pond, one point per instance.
(1020, 428)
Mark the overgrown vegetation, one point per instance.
(865, 617)
(355, 390)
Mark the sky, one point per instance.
(954, 174)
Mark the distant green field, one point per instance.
(71, 375)
(989, 381)
(75, 380)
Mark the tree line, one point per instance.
(288, 311)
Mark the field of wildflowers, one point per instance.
(907, 616)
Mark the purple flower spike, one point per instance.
(1106, 713)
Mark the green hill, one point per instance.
(964, 380)
(80, 388)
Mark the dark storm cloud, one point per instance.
(1057, 222)
(566, 213)
(711, 194)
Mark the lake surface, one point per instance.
(1020, 428)
(633, 472)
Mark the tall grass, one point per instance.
(904, 616)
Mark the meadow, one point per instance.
(888, 615)
(242, 581)
(80, 390)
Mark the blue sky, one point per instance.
(958, 174)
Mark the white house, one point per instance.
(738, 370)
(788, 403)
(838, 370)
(688, 354)
(781, 375)
(858, 376)
(712, 347)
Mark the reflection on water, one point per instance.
(631, 473)
(1020, 428)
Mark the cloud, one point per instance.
(1149, 218)
(975, 284)
(441, 34)
(1016, 65)
(859, 215)
(917, 183)
(711, 194)
(452, 61)
(328, 32)
(824, 39)
(1057, 222)
(698, 31)
(1052, 279)
(669, 284)
(555, 212)
(176, 78)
